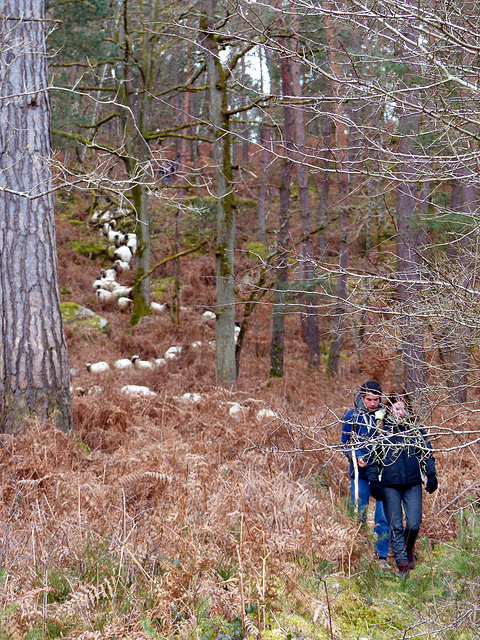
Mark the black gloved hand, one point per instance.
(376, 490)
(432, 483)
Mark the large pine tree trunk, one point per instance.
(34, 375)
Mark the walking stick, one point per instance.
(355, 479)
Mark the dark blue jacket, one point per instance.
(401, 454)
(358, 426)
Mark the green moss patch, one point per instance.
(75, 313)
(91, 249)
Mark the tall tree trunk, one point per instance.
(277, 346)
(34, 375)
(308, 315)
(265, 134)
(224, 249)
(341, 137)
(408, 266)
(243, 102)
(409, 242)
(460, 335)
(265, 138)
(324, 187)
(136, 161)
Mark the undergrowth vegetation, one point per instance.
(163, 517)
(150, 535)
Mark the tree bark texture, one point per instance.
(137, 158)
(456, 339)
(225, 240)
(408, 267)
(265, 141)
(34, 374)
(308, 315)
(341, 136)
(324, 187)
(277, 346)
(409, 241)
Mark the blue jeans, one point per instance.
(410, 498)
(381, 527)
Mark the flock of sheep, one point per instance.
(107, 289)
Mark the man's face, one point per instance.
(371, 401)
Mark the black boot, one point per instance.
(412, 561)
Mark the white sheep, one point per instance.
(172, 352)
(119, 240)
(121, 291)
(160, 362)
(131, 241)
(109, 273)
(104, 296)
(124, 303)
(236, 410)
(137, 390)
(98, 284)
(262, 414)
(124, 254)
(95, 389)
(190, 397)
(79, 391)
(97, 367)
(107, 284)
(109, 233)
(156, 307)
(209, 316)
(105, 280)
(123, 363)
(120, 265)
(142, 364)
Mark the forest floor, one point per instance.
(167, 516)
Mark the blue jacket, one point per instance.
(401, 455)
(358, 426)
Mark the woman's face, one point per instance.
(398, 409)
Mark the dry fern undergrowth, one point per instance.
(153, 511)
(161, 512)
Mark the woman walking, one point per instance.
(400, 461)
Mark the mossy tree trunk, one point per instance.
(225, 232)
(135, 116)
(34, 374)
(277, 345)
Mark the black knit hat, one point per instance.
(371, 386)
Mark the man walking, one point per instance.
(359, 425)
